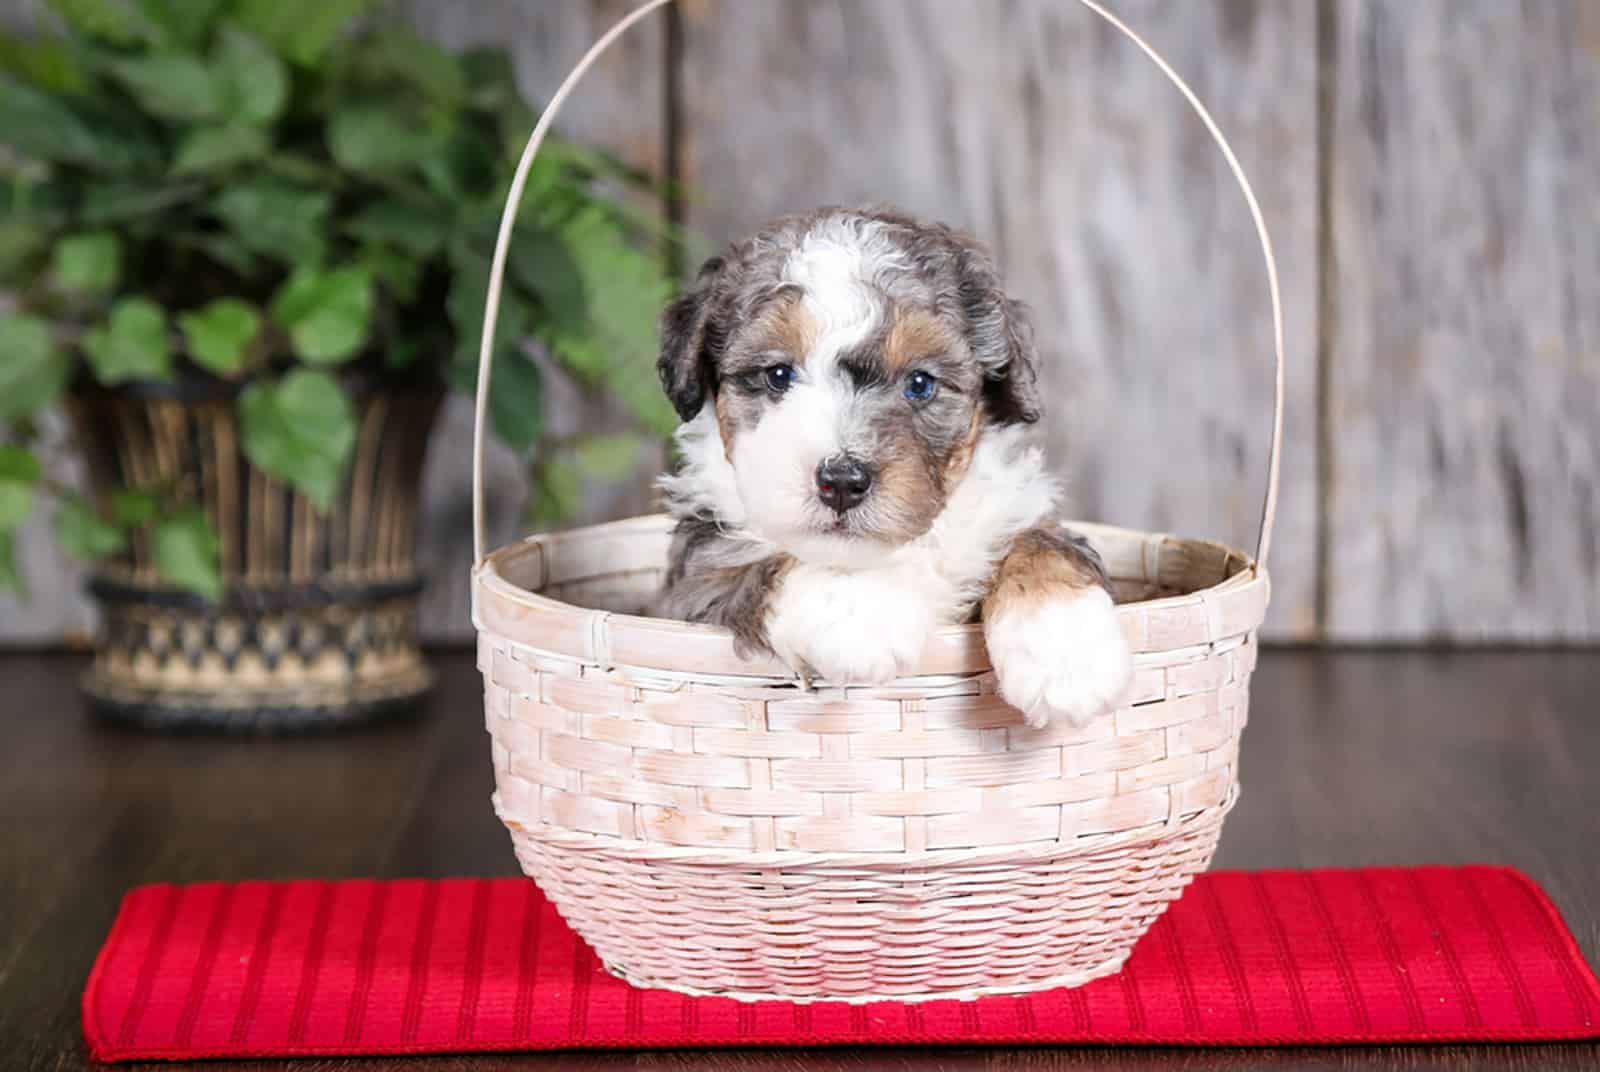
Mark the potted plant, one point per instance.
(247, 245)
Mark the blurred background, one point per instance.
(1428, 171)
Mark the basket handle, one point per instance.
(508, 218)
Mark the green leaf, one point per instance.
(84, 534)
(417, 230)
(119, 202)
(540, 262)
(557, 493)
(377, 137)
(299, 30)
(171, 85)
(33, 372)
(491, 77)
(303, 170)
(396, 52)
(133, 345)
(516, 400)
(219, 335)
(46, 62)
(301, 430)
(326, 313)
(109, 20)
(40, 126)
(19, 474)
(395, 271)
(180, 22)
(278, 220)
(207, 149)
(20, 241)
(608, 457)
(88, 263)
(462, 168)
(226, 250)
(188, 553)
(10, 577)
(132, 507)
(254, 82)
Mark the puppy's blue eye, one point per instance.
(780, 378)
(920, 386)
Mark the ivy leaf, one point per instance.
(326, 313)
(516, 400)
(219, 335)
(10, 577)
(557, 493)
(608, 457)
(188, 553)
(46, 62)
(19, 241)
(84, 534)
(182, 22)
(38, 125)
(254, 83)
(117, 201)
(516, 387)
(276, 219)
(418, 231)
(377, 138)
(226, 250)
(109, 20)
(301, 430)
(33, 372)
(461, 168)
(87, 263)
(132, 345)
(398, 53)
(299, 30)
(132, 507)
(208, 149)
(541, 263)
(171, 85)
(491, 76)
(397, 272)
(19, 473)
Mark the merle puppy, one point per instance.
(856, 389)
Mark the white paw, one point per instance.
(1061, 658)
(847, 630)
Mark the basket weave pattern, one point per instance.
(721, 833)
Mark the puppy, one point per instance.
(856, 389)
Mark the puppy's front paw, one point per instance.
(848, 632)
(1062, 656)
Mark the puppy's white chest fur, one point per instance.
(868, 621)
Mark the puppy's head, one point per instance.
(850, 361)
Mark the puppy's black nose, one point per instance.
(843, 482)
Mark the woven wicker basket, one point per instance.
(708, 825)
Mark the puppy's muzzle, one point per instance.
(842, 482)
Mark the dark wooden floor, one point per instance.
(1350, 759)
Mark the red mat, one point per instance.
(269, 969)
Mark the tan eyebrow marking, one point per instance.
(914, 336)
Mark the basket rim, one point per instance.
(1229, 608)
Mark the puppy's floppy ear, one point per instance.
(1001, 335)
(1013, 396)
(690, 338)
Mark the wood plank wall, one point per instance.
(1428, 169)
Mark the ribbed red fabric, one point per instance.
(277, 969)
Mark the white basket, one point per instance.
(710, 826)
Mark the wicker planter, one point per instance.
(318, 626)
